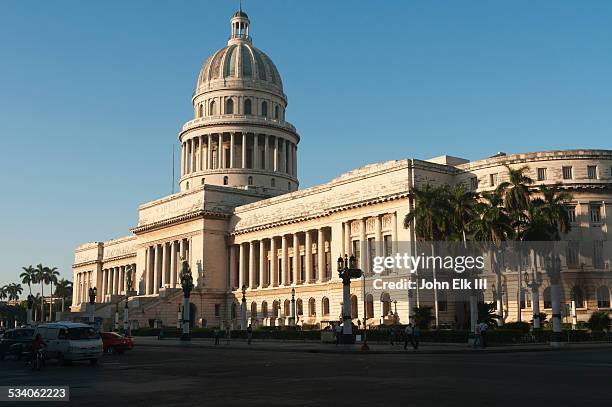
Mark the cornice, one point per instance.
(179, 219)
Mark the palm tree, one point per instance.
(52, 274)
(516, 189)
(42, 277)
(461, 203)
(3, 292)
(63, 290)
(14, 291)
(28, 276)
(554, 209)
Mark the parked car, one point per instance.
(115, 343)
(16, 342)
(68, 341)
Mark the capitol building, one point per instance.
(241, 220)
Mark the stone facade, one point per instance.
(241, 223)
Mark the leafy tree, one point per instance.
(14, 291)
(599, 321)
(487, 313)
(423, 317)
(28, 277)
(63, 290)
(3, 292)
(52, 275)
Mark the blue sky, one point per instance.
(92, 95)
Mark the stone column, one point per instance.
(147, 270)
(104, 287)
(284, 260)
(273, 262)
(110, 281)
(288, 155)
(378, 239)
(252, 269)
(262, 264)
(209, 151)
(347, 238)
(232, 149)
(117, 279)
(321, 255)
(182, 159)
(294, 168)
(232, 267)
(308, 256)
(275, 160)
(266, 163)
(244, 150)
(121, 279)
(157, 271)
(173, 264)
(394, 232)
(196, 153)
(202, 158)
(363, 243)
(241, 264)
(220, 159)
(296, 258)
(165, 258)
(256, 164)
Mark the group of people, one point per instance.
(228, 335)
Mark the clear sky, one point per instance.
(92, 95)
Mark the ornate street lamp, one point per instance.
(347, 269)
(116, 324)
(535, 297)
(243, 310)
(93, 292)
(187, 285)
(129, 283)
(292, 310)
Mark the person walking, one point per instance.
(408, 336)
(392, 335)
(249, 334)
(416, 333)
(217, 335)
(483, 334)
(337, 332)
(477, 336)
(227, 334)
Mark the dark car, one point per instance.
(115, 343)
(16, 342)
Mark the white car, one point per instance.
(68, 341)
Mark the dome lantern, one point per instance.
(240, 26)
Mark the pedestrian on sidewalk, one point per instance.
(217, 335)
(249, 334)
(337, 331)
(477, 336)
(408, 336)
(483, 334)
(228, 333)
(416, 333)
(392, 335)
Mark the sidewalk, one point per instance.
(271, 345)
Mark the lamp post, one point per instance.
(187, 285)
(395, 317)
(243, 310)
(535, 297)
(553, 266)
(93, 292)
(116, 324)
(29, 310)
(347, 269)
(179, 317)
(292, 310)
(126, 311)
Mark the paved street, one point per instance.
(173, 376)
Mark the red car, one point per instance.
(115, 343)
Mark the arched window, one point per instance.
(578, 296)
(250, 180)
(229, 106)
(247, 107)
(369, 306)
(212, 108)
(442, 301)
(276, 112)
(386, 304)
(354, 307)
(187, 185)
(264, 309)
(525, 299)
(603, 297)
(547, 298)
(225, 180)
(203, 181)
(272, 182)
(253, 310)
(201, 111)
(275, 308)
(325, 306)
(312, 310)
(287, 308)
(264, 109)
(299, 306)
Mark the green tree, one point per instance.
(3, 292)
(487, 313)
(42, 277)
(63, 290)
(28, 277)
(599, 321)
(52, 275)
(14, 291)
(462, 203)
(423, 317)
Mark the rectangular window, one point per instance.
(541, 174)
(302, 270)
(279, 269)
(474, 183)
(572, 254)
(595, 212)
(315, 266)
(571, 214)
(371, 254)
(217, 310)
(598, 261)
(388, 245)
(327, 265)
(492, 180)
(291, 270)
(591, 171)
(357, 252)
(567, 172)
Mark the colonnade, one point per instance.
(163, 264)
(262, 152)
(114, 280)
(81, 286)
